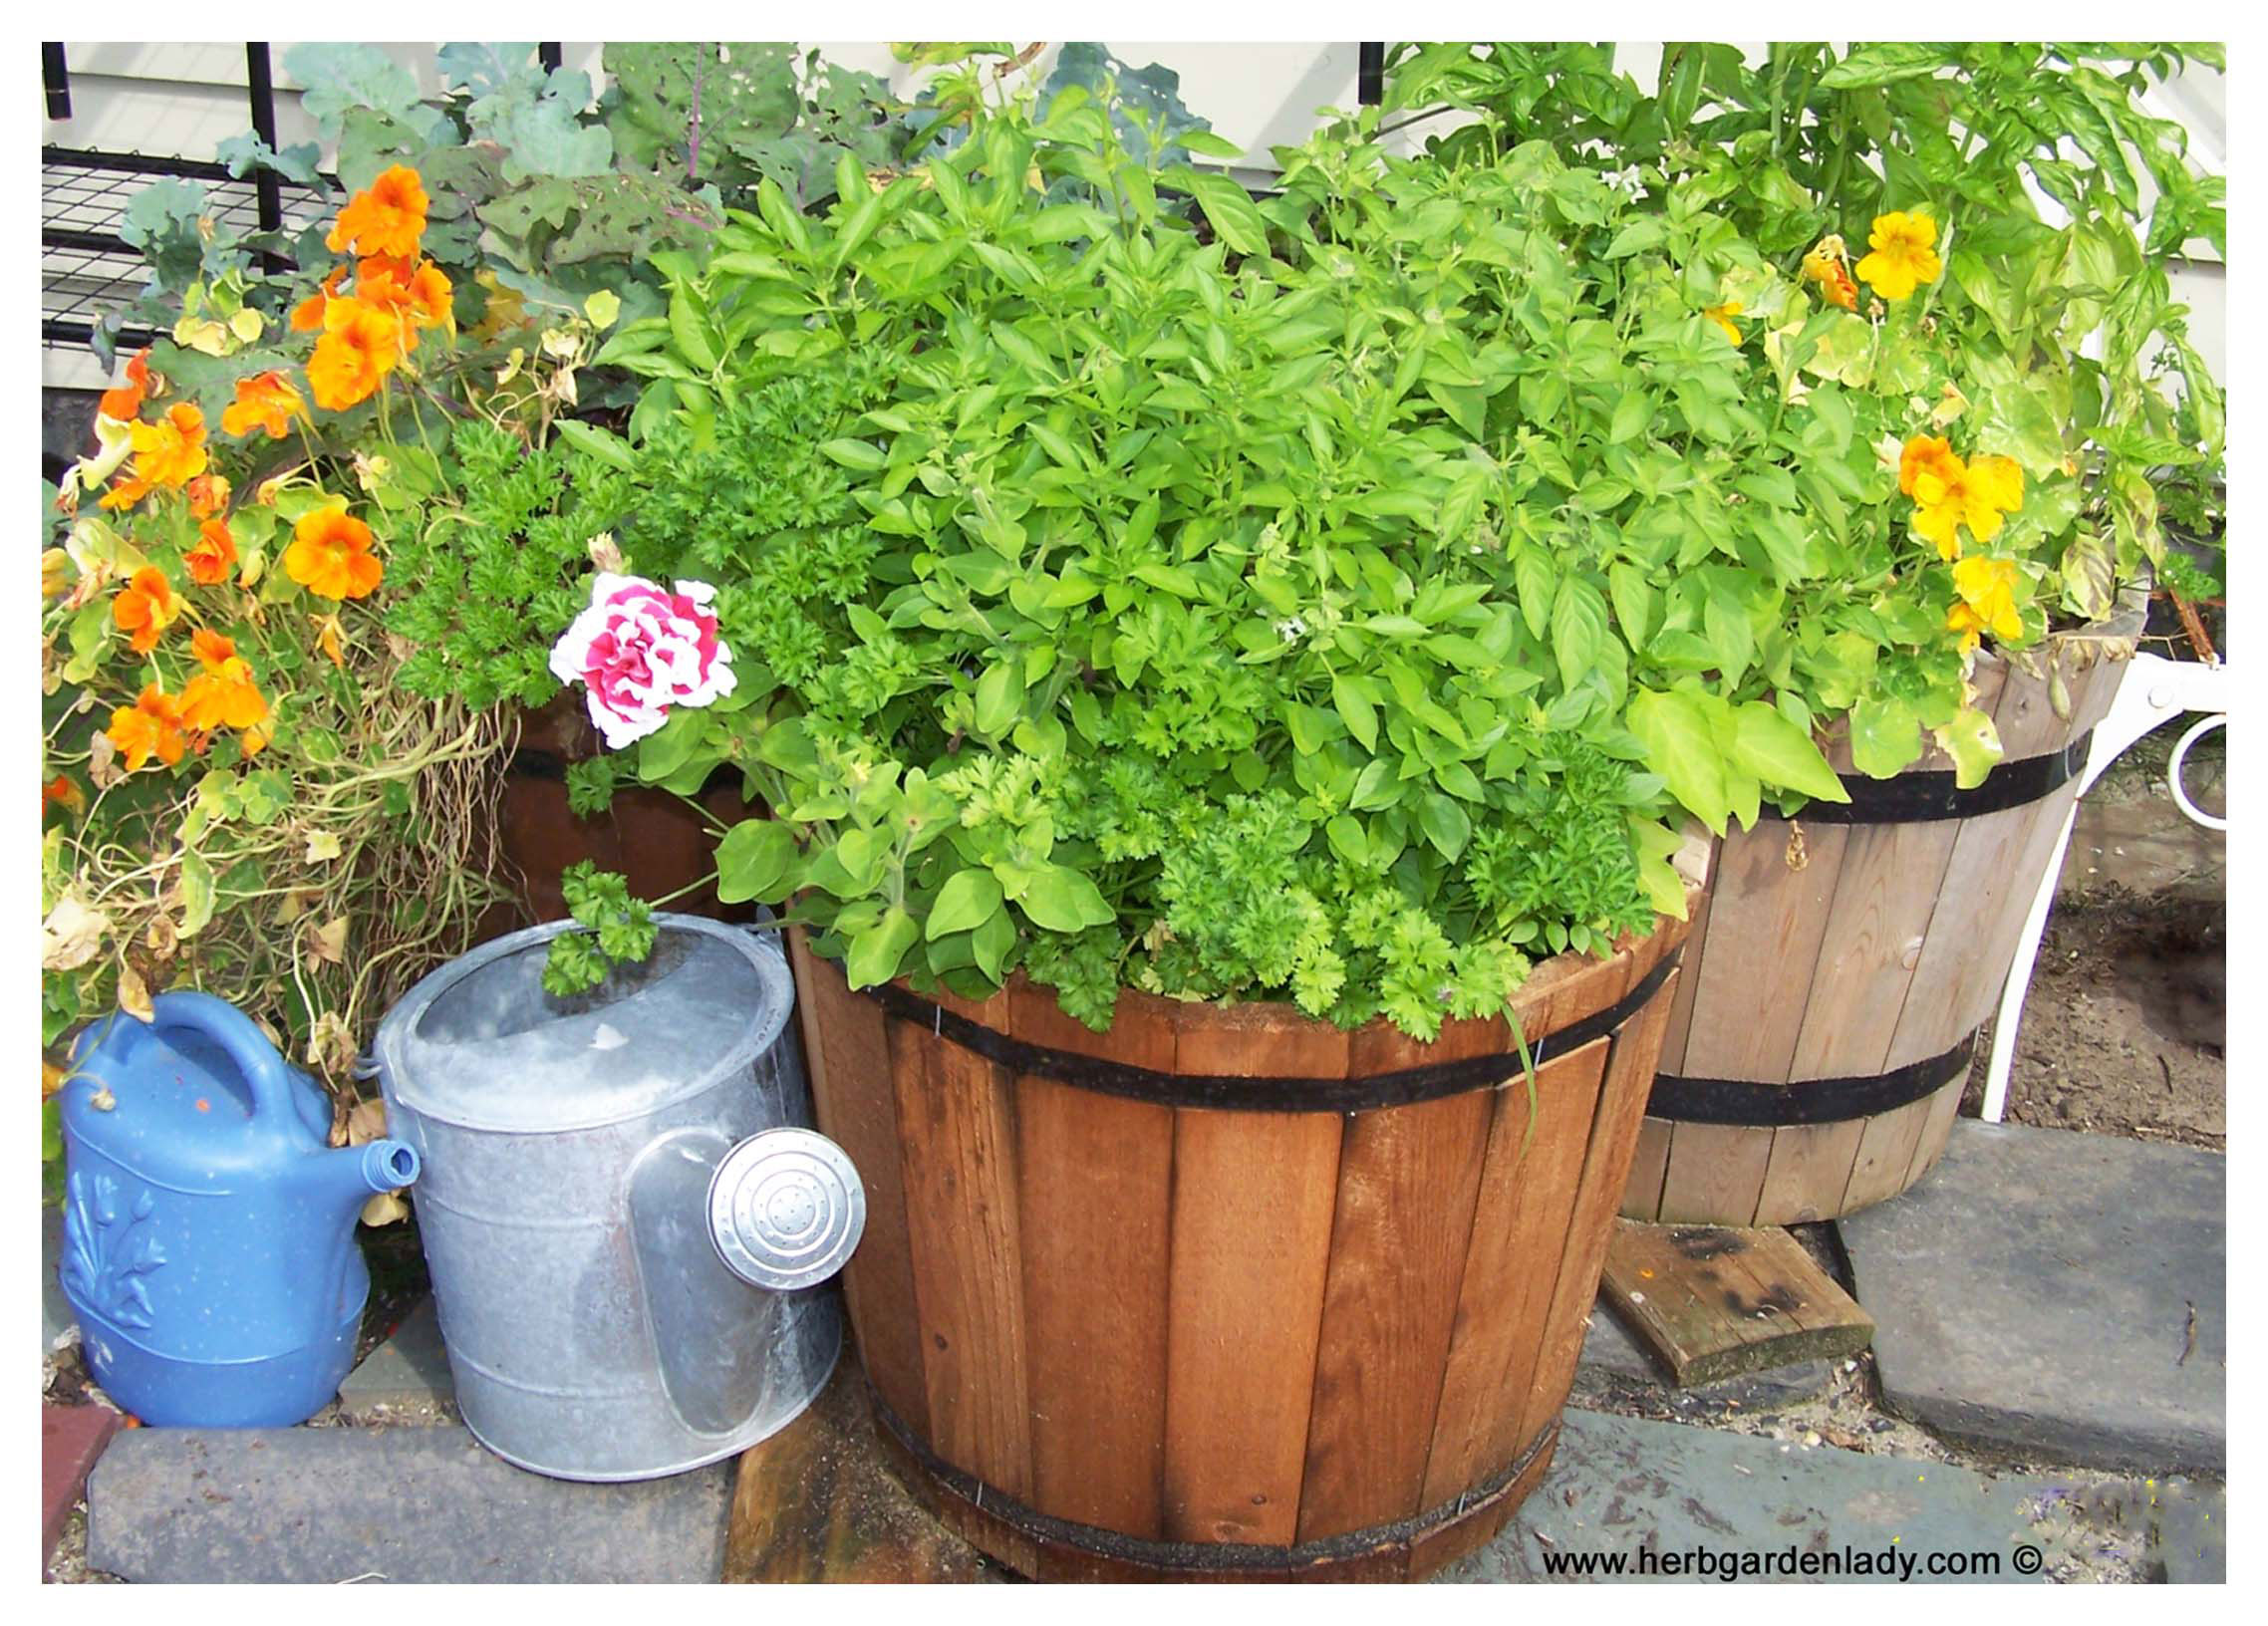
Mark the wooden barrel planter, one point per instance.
(649, 835)
(1844, 963)
(1228, 1293)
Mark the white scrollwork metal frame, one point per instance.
(2152, 692)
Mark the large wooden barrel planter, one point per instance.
(1226, 1293)
(1843, 965)
(647, 835)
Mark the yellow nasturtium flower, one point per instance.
(1905, 256)
(1949, 493)
(1987, 601)
(1723, 316)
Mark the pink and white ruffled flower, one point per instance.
(640, 650)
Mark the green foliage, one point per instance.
(616, 928)
(504, 553)
(1809, 142)
(1114, 605)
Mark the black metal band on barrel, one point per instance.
(1807, 1100)
(1200, 1557)
(1274, 1094)
(1922, 798)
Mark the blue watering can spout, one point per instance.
(349, 1176)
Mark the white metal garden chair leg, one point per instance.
(2152, 691)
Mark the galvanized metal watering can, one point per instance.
(208, 1225)
(626, 1226)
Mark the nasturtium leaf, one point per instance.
(1973, 743)
(1886, 736)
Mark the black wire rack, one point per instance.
(87, 267)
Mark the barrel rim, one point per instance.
(1271, 1092)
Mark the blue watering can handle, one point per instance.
(264, 1069)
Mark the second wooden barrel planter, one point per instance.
(1843, 965)
(1228, 1293)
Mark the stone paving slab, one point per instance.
(71, 1438)
(406, 1379)
(398, 1505)
(2057, 1295)
(1621, 1485)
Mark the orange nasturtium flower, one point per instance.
(213, 555)
(208, 495)
(1824, 266)
(64, 793)
(1903, 258)
(330, 555)
(224, 694)
(1723, 316)
(145, 607)
(170, 452)
(151, 726)
(388, 217)
(329, 639)
(358, 347)
(1987, 601)
(265, 401)
(416, 296)
(306, 315)
(124, 403)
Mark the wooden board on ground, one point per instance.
(1710, 1302)
(814, 1503)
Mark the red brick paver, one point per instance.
(71, 1438)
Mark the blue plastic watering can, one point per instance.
(208, 1225)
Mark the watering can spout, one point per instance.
(350, 1174)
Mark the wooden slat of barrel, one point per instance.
(1605, 1173)
(1250, 1244)
(1883, 900)
(1808, 1172)
(1715, 1174)
(1648, 1165)
(847, 1052)
(1409, 1178)
(1524, 1200)
(1096, 1173)
(1484, 1518)
(2093, 691)
(957, 1120)
(1766, 925)
(1885, 1153)
(1937, 1129)
(1681, 1007)
(1982, 881)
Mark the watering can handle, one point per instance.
(263, 1067)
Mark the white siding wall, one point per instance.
(183, 100)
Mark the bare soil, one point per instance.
(2126, 1022)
